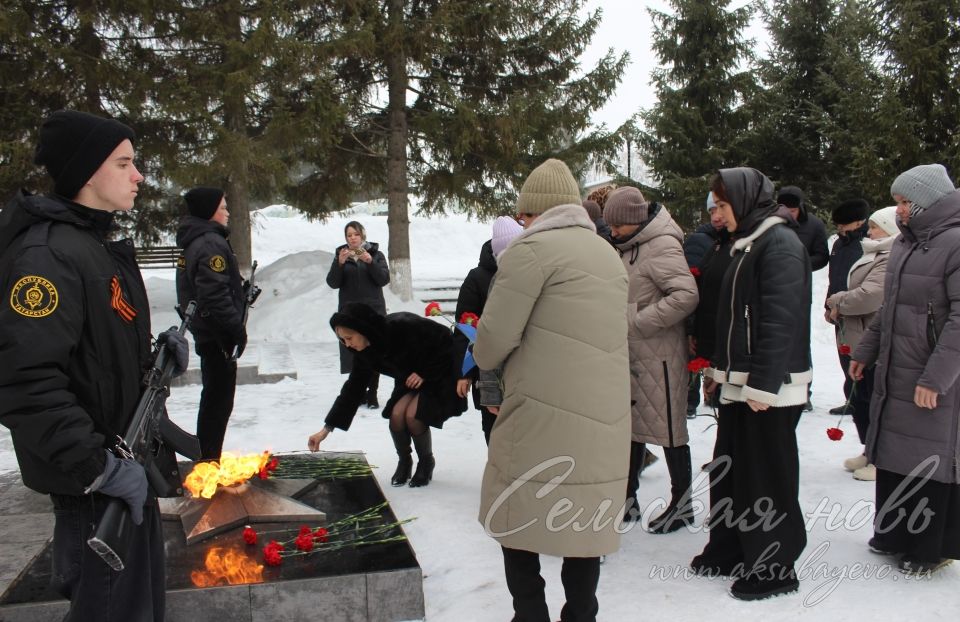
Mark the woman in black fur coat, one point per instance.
(419, 354)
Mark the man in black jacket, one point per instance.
(810, 229)
(75, 342)
(208, 274)
(812, 233)
(850, 217)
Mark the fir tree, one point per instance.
(816, 117)
(56, 55)
(461, 101)
(692, 129)
(922, 41)
(242, 94)
(785, 134)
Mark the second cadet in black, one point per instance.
(208, 274)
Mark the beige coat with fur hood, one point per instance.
(864, 294)
(662, 294)
(559, 451)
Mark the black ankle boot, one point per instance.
(425, 462)
(631, 511)
(372, 401)
(401, 440)
(680, 510)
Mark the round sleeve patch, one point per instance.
(34, 296)
(218, 263)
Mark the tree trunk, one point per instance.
(398, 220)
(235, 188)
(91, 52)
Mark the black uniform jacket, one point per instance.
(208, 273)
(74, 339)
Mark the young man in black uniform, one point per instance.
(75, 342)
(208, 273)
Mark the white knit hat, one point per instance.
(504, 230)
(886, 219)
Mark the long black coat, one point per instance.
(847, 249)
(209, 275)
(813, 234)
(713, 266)
(471, 299)
(400, 344)
(357, 281)
(71, 364)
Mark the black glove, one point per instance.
(178, 348)
(239, 338)
(123, 479)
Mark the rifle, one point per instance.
(250, 294)
(148, 428)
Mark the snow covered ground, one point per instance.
(463, 573)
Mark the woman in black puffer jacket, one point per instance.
(761, 368)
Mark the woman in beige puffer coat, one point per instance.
(662, 294)
(556, 465)
(853, 310)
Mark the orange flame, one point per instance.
(227, 566)
(206, 476)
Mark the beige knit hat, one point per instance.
(549, 185)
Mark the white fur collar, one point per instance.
(747, 242)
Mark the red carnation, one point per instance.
(695, 271)
(271, 553)
(264, 474)
(844, 349)
(697, 365)
(304, 529)
(433, 308)
(304, 541)
(249, 535)
(273, 464)
(470, 319)
(320, 534)
(834, 434)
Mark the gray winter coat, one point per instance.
(915, 340)
(662, 294)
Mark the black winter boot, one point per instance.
(680, 510)
(425, 462)
(401, 440)
(372, 387)
(631, 510)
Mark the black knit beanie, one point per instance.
(203, 201)
(74, 144)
